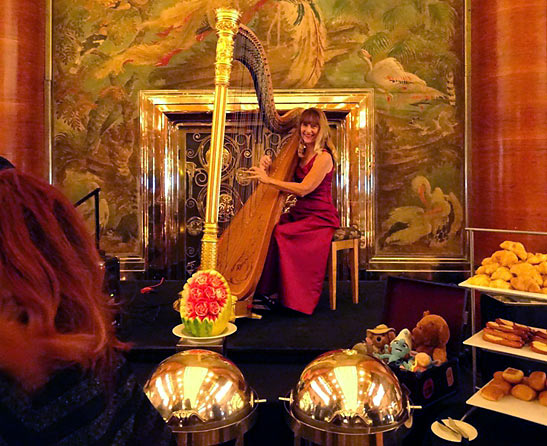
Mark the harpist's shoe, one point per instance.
(261, 302)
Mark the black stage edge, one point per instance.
(273, 351)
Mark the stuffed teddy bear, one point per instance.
(430, 336)
(376, 339)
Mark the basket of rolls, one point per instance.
(512, 268)
(513, 382)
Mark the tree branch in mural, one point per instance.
(438, 220)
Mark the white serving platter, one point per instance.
(525, 352)
(503, 292)
(509, 405)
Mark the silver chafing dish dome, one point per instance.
(347, 392)
(198, 390)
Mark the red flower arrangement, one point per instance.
(207, 295)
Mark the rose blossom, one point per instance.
(214, 308)
(201, 279)
(201, 308)
(209, 292)
(220, 294)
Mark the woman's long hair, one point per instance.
(53, 311)
(324, 140)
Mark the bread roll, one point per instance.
(502, 384)
(498, 375)
(523, 392)
(513, 376)
(543, 398)
(536, 380)
(492, 393)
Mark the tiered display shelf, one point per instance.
(508, 405)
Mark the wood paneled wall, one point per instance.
(509, 119)
(22, 64)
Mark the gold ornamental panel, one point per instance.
(176, 138)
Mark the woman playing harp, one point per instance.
(298, 254)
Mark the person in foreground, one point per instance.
(297, 259)
(63, 380)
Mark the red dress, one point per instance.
(297, 258)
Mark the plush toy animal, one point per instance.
(430, 336)
(376, 339)
(398, 350)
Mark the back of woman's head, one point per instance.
(53, 312)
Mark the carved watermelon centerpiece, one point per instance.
(206, 304)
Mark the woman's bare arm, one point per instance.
(321, 167)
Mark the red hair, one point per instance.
(53, 311)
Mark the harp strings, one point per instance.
(243, 145)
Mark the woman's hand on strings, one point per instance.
(258, 173)
(265, 162)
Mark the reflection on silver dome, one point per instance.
(199, 389)
(347, 391)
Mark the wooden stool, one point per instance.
(344, 238)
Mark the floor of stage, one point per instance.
(273, 351)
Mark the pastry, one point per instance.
(513, 376)
(480, 280)
(492, 393)
(539, 347)
(540, 334)
(542, 268)
(536, 380)
(502, 284)
(501, 341)
(543, 398)
(502, 273)
(525, 283)
(536, 259)
(523, 392)
(503, 334)
(516, 247)
(505, 258)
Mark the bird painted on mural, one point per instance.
(438, 220)
(443, 211)
(390, 76)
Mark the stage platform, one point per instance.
(273, 351)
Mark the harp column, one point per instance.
(226, 28)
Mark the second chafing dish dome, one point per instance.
(349, 392)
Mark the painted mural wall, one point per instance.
(410, 51)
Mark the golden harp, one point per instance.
(240, 252)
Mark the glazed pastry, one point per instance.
(536, 380)
(513, 376)
(523, 392)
